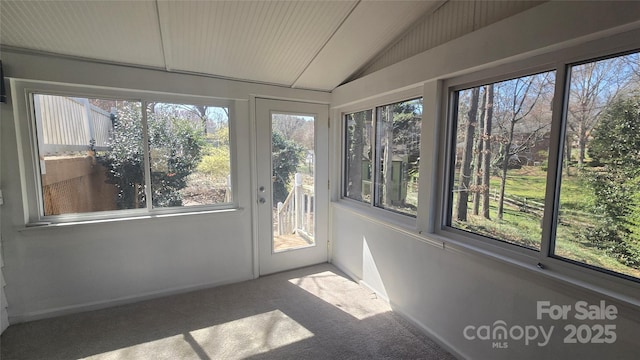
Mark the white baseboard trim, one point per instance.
(397, 309)
(432, 334)
(378, 293)
(103, 304)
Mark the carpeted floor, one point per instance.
(309, 313)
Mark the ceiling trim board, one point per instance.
(165, 43)
(358, 73)
(24, 51)
(348, 14)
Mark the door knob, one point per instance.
(262, 200)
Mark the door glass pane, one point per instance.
(293, 184)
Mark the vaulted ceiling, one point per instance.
(299, 44)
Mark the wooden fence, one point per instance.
(566, 216)
(66, 124)
(295, 214)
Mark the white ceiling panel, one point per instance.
(265, 41)
(372, 26)
(315, 44)
(118, 31)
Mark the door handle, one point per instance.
(262, 200)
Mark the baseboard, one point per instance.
(103, 304)
(378, 293)
(397, 309)
(427, 330)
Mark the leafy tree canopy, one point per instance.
(616, 146)
(286, 155)
(175, 150)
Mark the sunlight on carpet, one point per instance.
(337, 290)
(236, 339)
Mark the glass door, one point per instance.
(292, 162)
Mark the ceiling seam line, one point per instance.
(293, 85)
(162, 45)
(396, 41)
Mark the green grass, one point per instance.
(524, 228)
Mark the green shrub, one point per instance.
(215, 163)
(175, 145)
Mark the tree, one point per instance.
(465, 167)
(175, 150)
(399, 134)
(486, 149)
(124, 162)
(286, 155)
(593, 86)
(290, 126)
(385, 127)
(519, 98)
(616, 145)
(216, 159)
(478, 149)
(356, 154)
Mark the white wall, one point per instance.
(442, 287)
(54, 270)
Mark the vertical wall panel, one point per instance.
(451, 20)
(4, 319)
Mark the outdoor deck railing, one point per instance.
(295, 214)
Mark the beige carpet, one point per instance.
(310, 313)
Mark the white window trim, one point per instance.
(583, 277)
(393, 218)
(30, 165)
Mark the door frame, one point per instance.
(322, 165)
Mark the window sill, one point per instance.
(80, 222)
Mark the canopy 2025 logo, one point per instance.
(500, 333)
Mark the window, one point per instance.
(599, 213)
(384, 172)
(398, 154)
(358, 154)
(506, 141)
(92, 159)
(500, 162)
(190, 157)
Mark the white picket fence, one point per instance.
(295, 214)
(66, 124)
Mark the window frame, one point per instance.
(583, 276)
(402, 220)
(28, 152)
(451, 94)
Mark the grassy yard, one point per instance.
(524, 228)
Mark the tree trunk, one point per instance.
(486, 161)
(356, 157)
(582, 135)
(388, 159)
(582, 145)
(477, 158)
(465, 167)
(202, 113)
(505, 167)
(567, 154)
